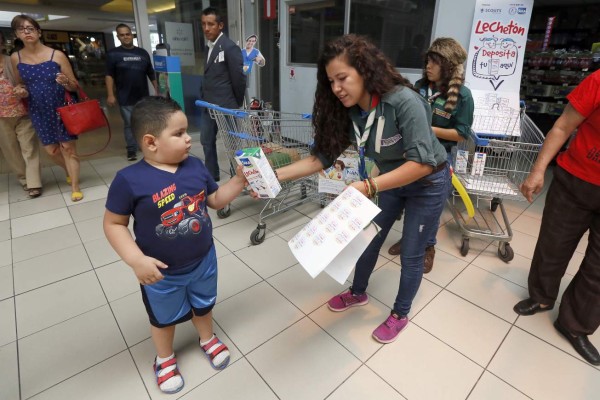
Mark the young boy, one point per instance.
(173, 255)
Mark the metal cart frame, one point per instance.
(507, 164)
(284, 138)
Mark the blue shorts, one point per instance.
(177, 298)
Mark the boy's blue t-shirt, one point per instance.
(171, 222)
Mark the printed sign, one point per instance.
(180, 37)
(494, 64)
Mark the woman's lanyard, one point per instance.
(361, 140)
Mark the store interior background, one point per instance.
(85, 31)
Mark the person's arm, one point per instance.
(110, 90)
(235, 64)
(564, 126)
(448, 134)
(65, 77)
(228, 191)
(305, 167)
(146, 268)
(19, 90)
(405, 174)
(260, 59)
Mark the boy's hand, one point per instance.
(147, 270)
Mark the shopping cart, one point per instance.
(508, 158)
(284, 138)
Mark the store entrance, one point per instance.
(269, 74)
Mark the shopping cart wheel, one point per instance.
(224, 212)
(464, 248)
(494, 204)
(258, 235)
(508, 254)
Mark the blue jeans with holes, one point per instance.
(131, 143)
(423, 202)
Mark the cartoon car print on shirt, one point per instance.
(184, 219)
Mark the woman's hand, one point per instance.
(63, 80)
(20, 91)
(360, 186)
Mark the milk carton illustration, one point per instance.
(258, 172)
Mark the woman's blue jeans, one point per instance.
(423, 202)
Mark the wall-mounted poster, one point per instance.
(495, 62)
(180, 37)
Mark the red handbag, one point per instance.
(81, 117)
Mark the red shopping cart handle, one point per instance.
(235, 113)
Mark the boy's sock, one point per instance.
(173, 383)
(219, 358)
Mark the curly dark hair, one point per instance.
(446, 70)
(330, 118)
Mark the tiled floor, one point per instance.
(72, 323)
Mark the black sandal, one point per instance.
(35, 192)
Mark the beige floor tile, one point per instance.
(583, 243)
(100, 382)
(236, 236)
(391, 239)
(311, 209)
(221, 250)
(37, 205)
(254, 316)
(100, 252)
(4, 212)
(541, 326)
(89, 194)
(535, 209)
(525, 362)
(527, 224)
(300, 288)
(49, 268)
(489, 291)
(45, 242)
(515, 271)
(575, 263)
(6, 256)
(288, 235)
(309, 355)
(55, 303)
(449, 239)
(132, 318)
(84, 211)
(445, 268)
(78, 343)
(40, 222)
(235, 215)
(466, 328)
(9, 378)
(5, 230)
(490, 387)
(407, 366)
(117, 280)
(268, 258)
(384, 284)
(8, 329)
(6, 281)
(90, 229)
(523, 244)
(283, 222)
(248, 206)
(226, 385)
(234, 277)
(365, 384)
(191, 360)
(353, 328)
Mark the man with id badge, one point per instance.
(224, 82)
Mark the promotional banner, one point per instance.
(493, 72)
(180, 37)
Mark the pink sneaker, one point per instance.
(388, 331)
(344, 301)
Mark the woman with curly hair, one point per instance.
(362, 100)
(452, 105)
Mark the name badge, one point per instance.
(221, 56)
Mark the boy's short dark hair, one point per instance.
(150, 116)
(123, 26)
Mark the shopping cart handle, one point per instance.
(235, 113)
(306, 116)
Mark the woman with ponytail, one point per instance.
(452, 106)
